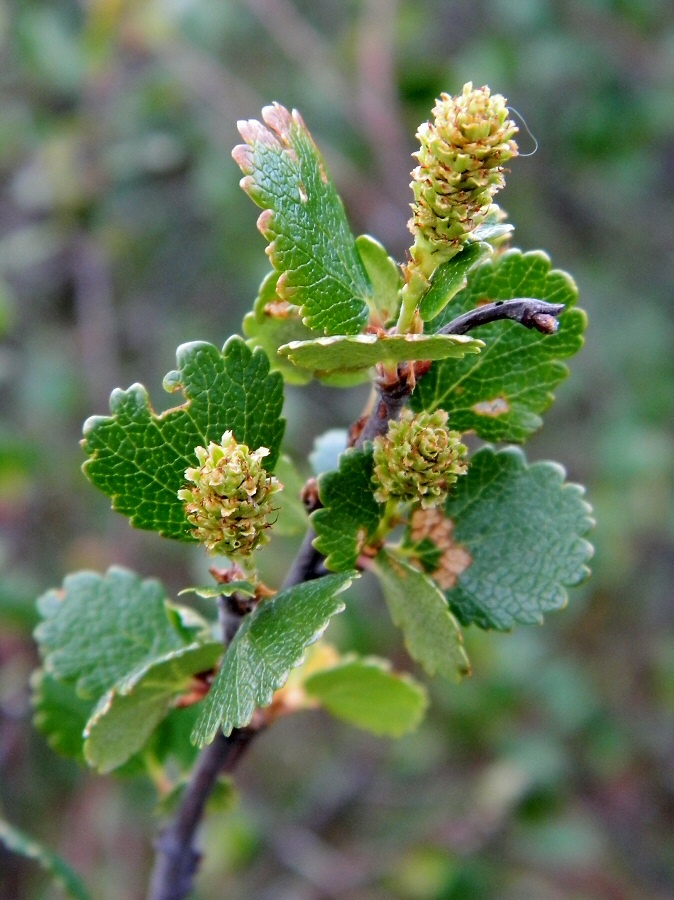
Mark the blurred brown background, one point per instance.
(123, 233)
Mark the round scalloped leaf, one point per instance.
(364, 692)
(126, 716)
(139, 457)
(501, 393)
(311, 245)
(97, 630)
(270, 642)
(346, 353)
(523, 528)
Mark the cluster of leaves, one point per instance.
(121, 660)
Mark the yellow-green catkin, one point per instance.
(461, 167)
(230, 497)
(418, 459)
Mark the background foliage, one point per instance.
(124, 233)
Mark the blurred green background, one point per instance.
(123, 233)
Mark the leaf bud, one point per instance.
(230, 497)
(418, 460)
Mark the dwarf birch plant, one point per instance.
(468, 335)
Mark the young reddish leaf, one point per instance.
(311, 245)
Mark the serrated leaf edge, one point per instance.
(205, 733)
(587, 524)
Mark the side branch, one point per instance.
(391, 398)
(392, 394)
(538, 314)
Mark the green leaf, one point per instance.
(60, 714)
(523, 526)
(361, 351)
(121, 725)
(99, 629)
(449, 278)
(417, 606)
(269, 643)
(385, 277)
(170, 745)
(425, 552)
(501, 393)
(365, 693)
(304, 220)
(350, 514)
(139, 457)
(18, 842)
(114, 639)
(273, 323)
(211, 591)
(127, 715)
(173, 669)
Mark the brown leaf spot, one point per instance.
(496, 407)
(455, 559)
(280, 309)
(361, 538)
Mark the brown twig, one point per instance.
(537, 314)
(177, 859)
